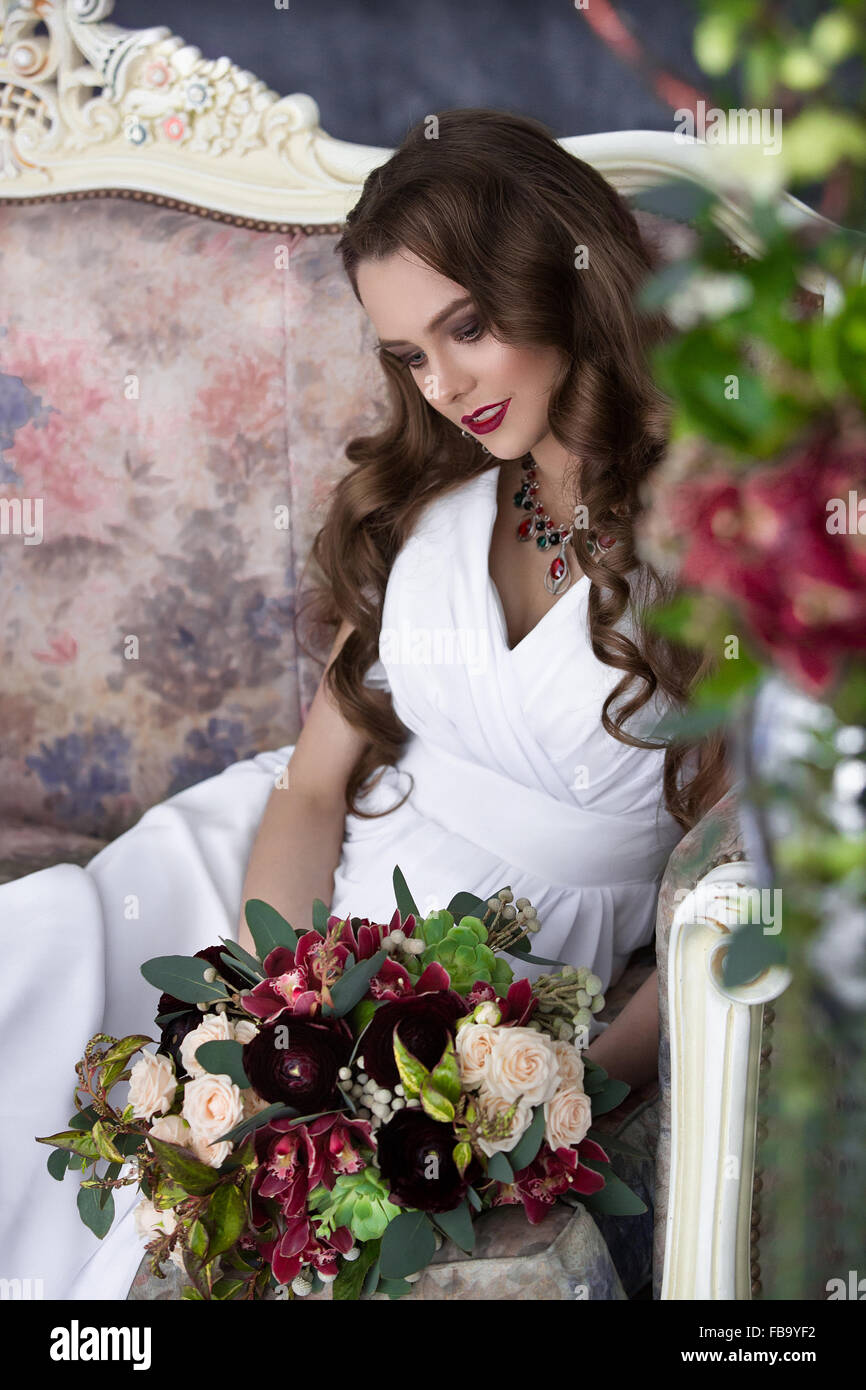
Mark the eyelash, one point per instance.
(460, 335)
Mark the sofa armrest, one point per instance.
(709, 1062)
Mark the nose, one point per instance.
(455, 385)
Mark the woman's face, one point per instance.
(431, 325)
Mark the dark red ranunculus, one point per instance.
(426, 1022)
(173, 1034)
(296, 1062)
(414, 1154)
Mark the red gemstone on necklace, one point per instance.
(558, 568)
(524, 530)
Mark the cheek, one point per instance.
(531, 372)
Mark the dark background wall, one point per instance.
(376, 66)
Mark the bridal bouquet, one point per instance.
(328, 1110)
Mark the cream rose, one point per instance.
(173, 1129)
(567, 1117)
(152, 1084)
(474, 1045)
(245, 1030)
(492, 1105)
(211, 1105)
(522, 1063)
(212, 1154)
(570, 1063)
(150, 1222)
(213, 1028)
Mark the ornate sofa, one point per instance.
(182, 364)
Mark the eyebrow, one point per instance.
(433, 324)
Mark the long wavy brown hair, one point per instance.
(495, 204)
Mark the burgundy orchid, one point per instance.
(294, 1159)
(549, 1175)
(299, 1245)
(294, 978)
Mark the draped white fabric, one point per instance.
(515, 782)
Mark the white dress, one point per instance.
(515, 782)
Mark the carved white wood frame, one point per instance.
(90, 105)
(715, 1045)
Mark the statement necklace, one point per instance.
(539, 525)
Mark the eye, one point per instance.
(469, 333)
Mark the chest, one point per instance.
(517, 568)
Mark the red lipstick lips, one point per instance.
(486, 417)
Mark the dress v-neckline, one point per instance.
(493, 494)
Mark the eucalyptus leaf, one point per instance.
(529, 1143)
(84, 1119)
(183, 976)
(224, 1057)
(616, 1145)
(526, 955)
(252, 977)
(499, 1168)
(408, 1245)
(268, 928)
(457, 1225)
(467, 905)
(405, 901)
(353, 984)
(394, 1288)
(58, 1163)
(612, 1094)
(96, 1214)
(278, 1111)
(321, 914)
(615, 1198)
(252, 962)
(371, 1281)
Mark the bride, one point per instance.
(485, 717)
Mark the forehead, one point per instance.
(401, 293)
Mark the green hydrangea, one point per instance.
(357, 1200)
(462, 950)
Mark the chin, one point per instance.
(506, 453)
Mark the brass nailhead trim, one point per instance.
(162, 200)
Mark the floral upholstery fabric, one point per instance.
(177, 394)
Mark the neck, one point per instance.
(556, 495)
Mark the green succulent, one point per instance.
(462, 950)
(357, 1200)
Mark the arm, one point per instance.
(300, 838)
(629, 1048)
